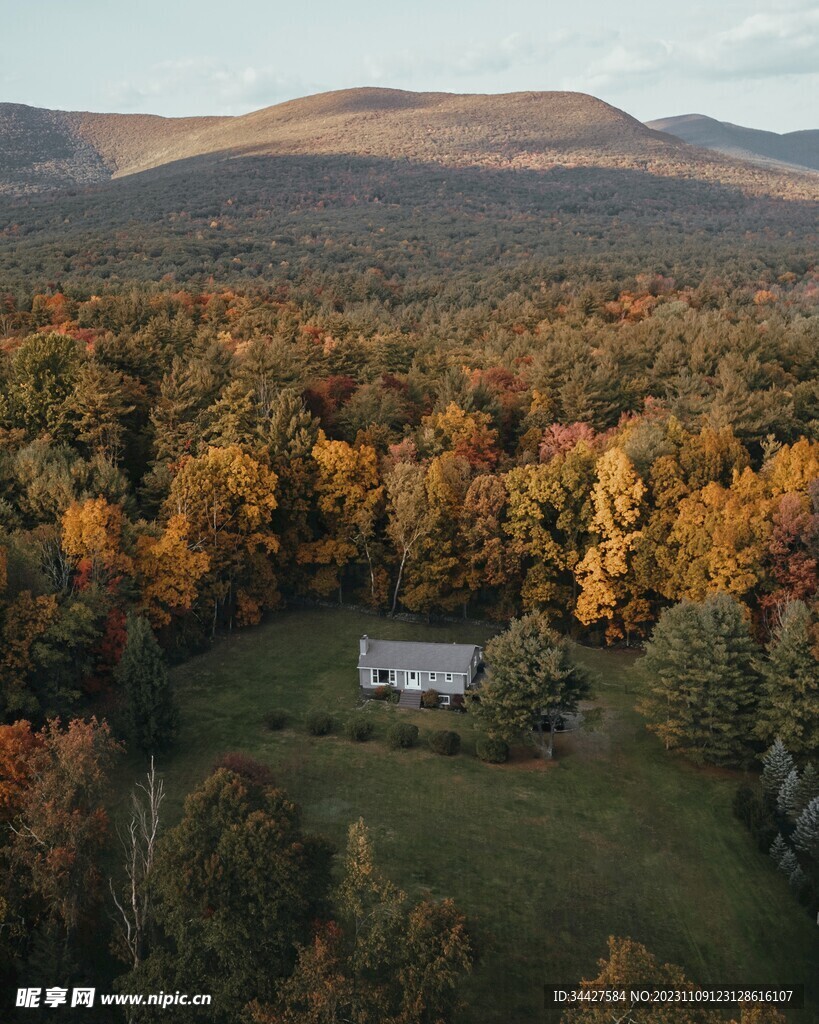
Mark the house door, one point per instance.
(413, 681)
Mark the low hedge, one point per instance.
(430, 699)
(402, 735)
(444, 741)
(319, 723)
(492, 751)
(275, 719)
(359, 730)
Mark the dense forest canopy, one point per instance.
(571, 376)
(585, 392)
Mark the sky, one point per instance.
(754, 62)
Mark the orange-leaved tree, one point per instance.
(228, 499)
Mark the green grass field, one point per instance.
(618, 837)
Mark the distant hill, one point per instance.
(794, 149)
(46, 149)
(43, 149)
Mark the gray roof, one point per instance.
(419, 657)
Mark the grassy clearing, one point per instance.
(617, 838)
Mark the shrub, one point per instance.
(248, 767)
(383, 692)
(319, 723)
(492, 751)
(457, 702)
(359, 730)
(402, 735)
(445, 742)
(276, 719)
(430, 699)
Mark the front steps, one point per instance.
(410, 699)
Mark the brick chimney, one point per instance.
(363, 644)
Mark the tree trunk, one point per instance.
(540, 741)
(398, 583)
(372, 572)
(552, 726)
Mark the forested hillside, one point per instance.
(468, 357)
(53, 149)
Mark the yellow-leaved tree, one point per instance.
(350, 499)
(718, 541)
(168, 570)
(605, 574)
(228, 499)
(93, 535)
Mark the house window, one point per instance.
(448, 677)
(443, 699)
(374, 676)
(393, 675)
(433, 676)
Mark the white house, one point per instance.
(406, 665)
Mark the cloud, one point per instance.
(203, 85)
(476, 60)
(763, 45)
(775, 43)
(779, 39)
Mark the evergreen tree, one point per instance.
(808, 785)
(778, 849)
(232, 419)
(790, 705)
(98, 406)
(152, 713)
(788, 864)
(777, 764)
(532, 683)
(806, 834)
(797, 878)
(174, 416)
(787, 801)
(699, 666)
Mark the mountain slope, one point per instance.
(533, 130)
(370, 122)
(46, 149)
(795, 149)
(427, 126)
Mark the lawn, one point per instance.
(618, 837)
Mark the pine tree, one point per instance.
(790, 705)
(533, 682)
(777, 765)
(700, 670)
(806, 834)
(808, 785)
(797, 878)
(778, 849)
(151, 711)
(788, 864)
(787, 801)
(98, 406)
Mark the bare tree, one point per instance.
(139, 844)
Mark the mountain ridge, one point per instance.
(799, 149)
(42, 150)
